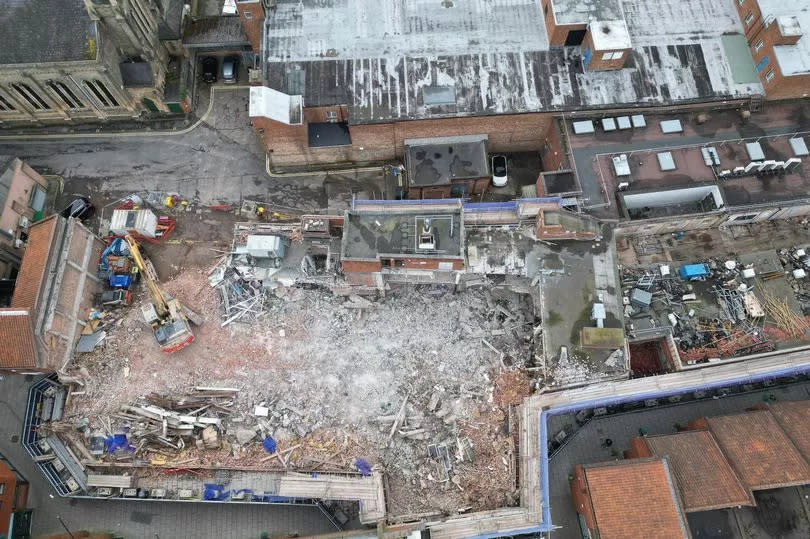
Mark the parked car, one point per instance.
(229, 66)
(210, 66)
(80, 208)
(498, 170)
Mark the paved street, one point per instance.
(220, 160)
(134, 519)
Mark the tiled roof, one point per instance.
(759, 450)
(45, 31)
(35, 259)
(794, 418)
(635, 499)
(704, 477)
(220, 32)
(17, 337)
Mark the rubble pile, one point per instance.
(420, 384)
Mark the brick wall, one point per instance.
(553, 155)
(251, 14)
(361, 266)
(762, 35)
(385, 142)
(557, 34)
(581, 497)
(602, 60)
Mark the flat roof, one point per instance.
(705, 479)
(635, 498)
(398, 60)
(367, 235)
(585, 11)
(794, 19)
(431, 162)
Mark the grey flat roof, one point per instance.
(136, 74)
(218, 32)
(46, 31)
(441, 161)
(368, 234)
(585, 11)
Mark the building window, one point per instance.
(2, 488)
(769, 75)
(331, 116)
(749, 17)
(33, 98)
(5, 104)
(107, 93)
(65, 94)
(102, 94)
(758, 46)
(248, 14)
(612, 55)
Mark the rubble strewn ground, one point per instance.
(334, 379)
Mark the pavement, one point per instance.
(140, 519)
(217, 160)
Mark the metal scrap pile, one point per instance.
(240, 299)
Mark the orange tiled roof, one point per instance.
(794, 418)
(17, 337)
(35, 258)
(635, 499)
(759, 450)
(704, 477)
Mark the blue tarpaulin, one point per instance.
(362, 466)
(693, 272)
(117, 248)
(269, 444)
(117, 441)
(215, 492)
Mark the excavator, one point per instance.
(167, 316)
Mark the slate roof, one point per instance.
(759, 450)
(635, 499)
(34, 262)
(170, 26)
(45, 31)
(215, 32)
(17, 336)
(136, 74)
(704, 477)
(794, 418)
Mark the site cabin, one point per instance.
(695, 272)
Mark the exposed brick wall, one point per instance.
(251, 14)
(638, 449)
(553, 155)
(385, 142)
(557, 34)
(749, 6)
(361, 266)
(581, 497)
(598, 61)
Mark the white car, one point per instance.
(498, 170)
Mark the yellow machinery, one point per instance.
(167, 316)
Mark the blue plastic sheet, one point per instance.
(363, 466)
(117, 441)
(215, 492)
(269, 444)
(117, 248)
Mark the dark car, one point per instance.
(80, 208)
(209, 69)
(229, 67)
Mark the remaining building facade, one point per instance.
(418, 70)
(775, 32)
(53, 296)
(22, 201)
(82, 60)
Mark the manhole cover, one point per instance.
(15, 439)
